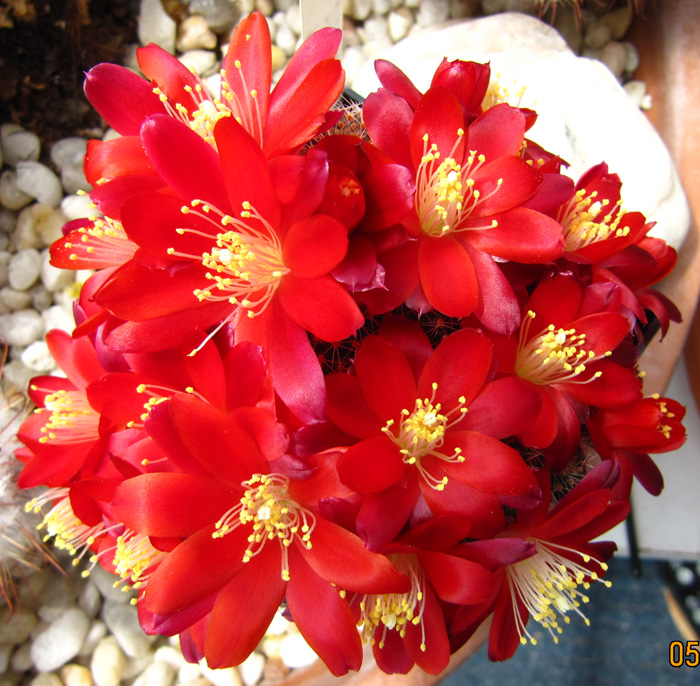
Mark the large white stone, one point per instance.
(122, 620)
(18, 144)
(61, 641)
(24, 269)
(37, 180)
(585, 116)
(156, 25)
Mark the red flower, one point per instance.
(409, 629)
(408, 414)
(550, 561)
(628, 434)
(470, 185)
(563, 350)
(259, 536)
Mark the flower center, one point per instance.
(134, 560)
(422, 433)
(72, 420)
(548, 585)
(61, 524)
(245, 264)
(103, 241)
(554, 355)
(394, 612)
(267, 508)
(445, 190)
(585, 220)
(206, 111)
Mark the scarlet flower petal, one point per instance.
(342, 558)
(371, 465)
(323, 617)
(321, 306)
(347, 407)
(244, 609)
(191, 167)
(122, 97)
(388, 119)
(456, 580)
(248, 69)
(447, 276)
(170, 504)
(313, 246)
(458, 383)
(75, 356)
(170, 589)
(497, 132)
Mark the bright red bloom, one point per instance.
(628, 434)
(409, 629)
(408, 412)
(563, 350)
(470, 187)
(261, 537)
(549, 559)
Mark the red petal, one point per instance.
(244, 609)
(321, 306)
(171, 504)
(455, 377)
(248, 68)
(388, 119)
(348, 409)
(191, 167)
(75, 356)
(213, 562)
(341, 557)
(371, 465)
(386, 378)
(314, 246)
(439, 116)
(456, 580)
(447, 276)
(123, 98)
(322, 616)
(497, 132)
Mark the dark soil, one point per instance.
(44, 56)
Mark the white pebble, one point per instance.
(221, 677)
(68, 152)
(75, 675)
(194, 34)
(636, 90)
(46, 680)
(632, 61)
(293, 15)
(122, 620)
(90, 600)
(400, 23)
(53, 278)
(10, 194)
(40, 182)
(155, 25)
(14, 374)
(597, 35)
(37, 357)
(8, 220)
(171, 655)
(73, 179)
(286, 39)
(18, 144)
(361, 9)
(96, 632)
(156, 674)
(41, 298)
(14, 300)
(381, 7)
(296, 652)
(188, 672)
(200, 60)
(374, 29)
(48, 222)
(136, 665)
(22, 327)
(24, 269)
(105, 583)
(614, 57)
(21, 659)
(251, 669)
(58, 317)
(5, 257)
(433, 12)
(78, 207)
(61, 641)
(108, 662)
(219, 14)
(5, 651)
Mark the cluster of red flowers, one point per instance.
(386, 378)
